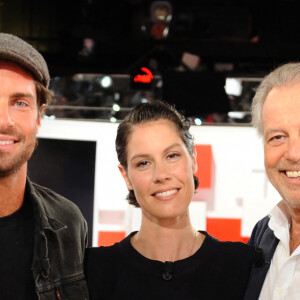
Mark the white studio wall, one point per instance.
(240, 189)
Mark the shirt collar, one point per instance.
(280, 221)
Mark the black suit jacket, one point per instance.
(264, 242)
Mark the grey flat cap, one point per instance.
(20, 52)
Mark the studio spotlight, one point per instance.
(197, 121)
(106, 82)
(113, 119)
(233, 87)
(116, 107)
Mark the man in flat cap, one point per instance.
(42, 235)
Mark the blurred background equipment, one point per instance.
(192, 48)
(205, 97)
(161, 16)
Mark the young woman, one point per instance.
(167, 258)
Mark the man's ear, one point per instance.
(125, 176)
(40, 113)
(194, 158)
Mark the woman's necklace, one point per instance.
(195, 237)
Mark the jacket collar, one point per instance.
(42, 215)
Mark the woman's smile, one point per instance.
(166, 193)
(160, 169)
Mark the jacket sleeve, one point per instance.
(264, 242)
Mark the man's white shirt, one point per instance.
(283, 278)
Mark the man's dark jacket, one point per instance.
(60, 239)
(263, 241)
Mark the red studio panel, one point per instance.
(205, 163)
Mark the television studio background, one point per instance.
(204, 56)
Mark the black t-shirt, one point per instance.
(217, 271)
(16, 254)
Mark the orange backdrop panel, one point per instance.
(224, 229)
(205, 163)
(245, 239)
(108, 238)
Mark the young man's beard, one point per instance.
(14, 164)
